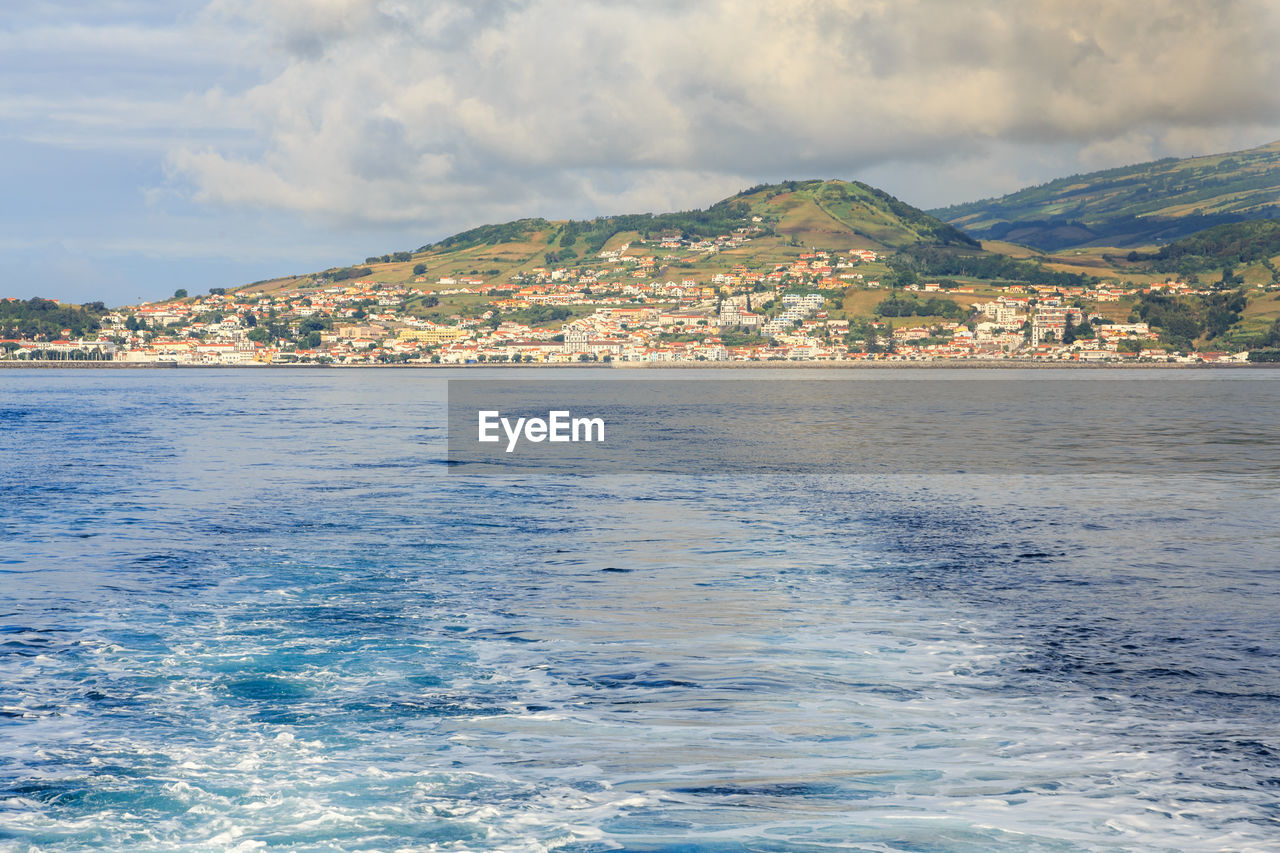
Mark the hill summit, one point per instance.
(813, 212)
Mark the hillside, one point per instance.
(1150, 203)
(1252, 241)
(849, 211)
(782, 221)
(804, 211)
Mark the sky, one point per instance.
(150, 146)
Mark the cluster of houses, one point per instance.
(615, 310)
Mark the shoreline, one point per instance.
(982, 364)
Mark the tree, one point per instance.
(350, 272)
(419, 269)
(1229, 279)
(1069, 331)
(180, 293)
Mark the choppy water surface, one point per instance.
(253, 611)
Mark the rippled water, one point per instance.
(253, 611)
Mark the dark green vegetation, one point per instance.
(508, 232)
(794, 209)
(538, 315)
(896, 306)
(304, 333)
(1220, 247)
(345, 273)
(910, 265)
(44, 319)
(1181, 320)
(716, 221)
(1148, 203)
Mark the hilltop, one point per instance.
(1150, 203)
(782, 220)
(801, 211)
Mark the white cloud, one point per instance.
(302, 133)
(397, 111)
(445, 113)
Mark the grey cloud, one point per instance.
(449, 113)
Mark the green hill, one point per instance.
(820, 210)
(815, 211)
(1155, 202)
(781, 220)
(1252, 241)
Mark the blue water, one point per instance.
(250, 610)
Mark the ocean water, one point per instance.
(255, 610)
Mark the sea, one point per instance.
(263, 610)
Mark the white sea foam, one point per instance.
(387, 660)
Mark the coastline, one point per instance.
(982, 364)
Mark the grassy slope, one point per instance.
(846, 214)
(1148, 203)
(799, 215)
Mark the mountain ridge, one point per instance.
(862, 208)
(779, 218)
(1143, 204)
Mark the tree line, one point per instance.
(44, 319)
(932, 261)
(896, 306)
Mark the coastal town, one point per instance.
(618, 310)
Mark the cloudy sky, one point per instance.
(146, 146)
